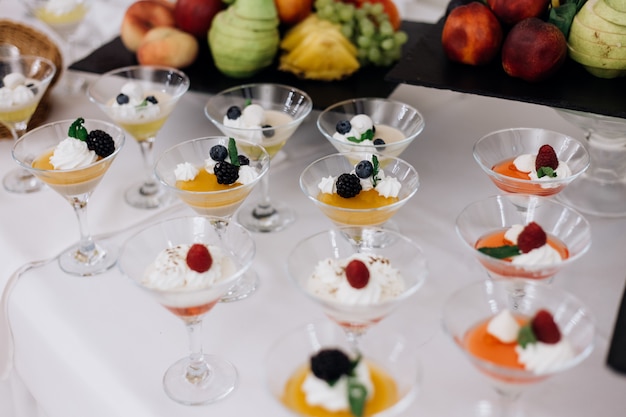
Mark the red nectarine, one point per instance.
(195, 16)
(512, 11)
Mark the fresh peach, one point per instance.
(512, 11)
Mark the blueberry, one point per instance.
(378, 142)
(218, 153)
(243, 160)
(152, 99)
(268, 133)
(364, 169)
(343, 127)
(122, 99)
(233, 113)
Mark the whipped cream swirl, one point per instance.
(526, 163)
(72, 153)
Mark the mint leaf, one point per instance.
(368, 135)
(526, 336)
(232, 152)
(376, 166)
(357, 395)
(546, 172)
(500, 252)
(77, 130)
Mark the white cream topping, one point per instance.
(15, 93)
(543, 255)
(72, 153)
(360, 124)
(504, 327)
(542, 358)
(335, 398)
(247, 174)
(329, 281)
(526, 163)
(185, 172)
(170, 270)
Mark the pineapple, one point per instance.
(316, 49)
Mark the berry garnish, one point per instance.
(198, 258)
(77, 130)
(101, 143)
(343, 127)
(364, 169)
(268, 132)
(379, 142)
(122, 99)
(218, 152)
(233, 113)
(348, 185)
(152, 99)
(330, 365)
(243, 160)
(532, 237)
(357, 274)
(226, 172)
(546, 161)
(544, 327)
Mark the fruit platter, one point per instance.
(572, 87)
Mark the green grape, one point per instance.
(363, 42)
(385, 28)
(366, 27)
(387, 44)
(401, 37)
(374, 55)
(346, 14)
(347, 31)
(377, 9)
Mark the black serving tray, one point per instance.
(367, 82)
(424, 63)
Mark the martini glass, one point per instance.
(601, 189)
(64, 17)
(15, 113)
(568, 232)
(76, 185)
(373, 211)
(199, 378)
(355, 312)
(220, 201)
(285, 108)
(478, 302)
(141, 121)
(397, 123)
(503, 146)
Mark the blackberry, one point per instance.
(100, 142)
(343, 127)
(122, 99)
(330, 364)
(380, 143)
(364, 169)
(243, 160)
(152, 99)
(218, 153)
(226, 172)
(233, 113)
(348, 185)
(268, 133)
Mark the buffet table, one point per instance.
(98, 346)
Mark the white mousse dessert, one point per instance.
(134, 104)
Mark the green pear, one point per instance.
(587, 16)
(585, 32)
(602, 9)
(232, 18)
(597, 48)
(256, 9)
(599, 67)
(619, 5)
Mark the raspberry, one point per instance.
(218, 152)
(364, 169)
(198, 258)
(226, 173)
(546, 157)
(343, 127)
(532, 237)
(330, 364)
(348, 185)
(544, 327)
(233, 113)
(100, 142)
(357, 274)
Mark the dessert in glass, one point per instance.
(213, 176)
(531, 160)
(23, 81)
(523, 236)
(71, 157)
(356, 282)
(518, 344)
(187, 264)
(390, 370)
(140, 99)
(601, 189)
(267, 114)
(64, 17)
(371, 125)
(366, 193)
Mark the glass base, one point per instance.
(137, 197)
(21, 181)
(280, 217)
(244, 288)
(104, 259)
(592, 196)
(219, 381)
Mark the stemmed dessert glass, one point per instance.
(285, 108)
(356, 317)
(64, 17)
(76, 185)
(199, 378)
(479, 301)
(142, 122)
(344, 213)
(503, 146)
(567, 230)
(397, 123)
(601, 189)
(220, 201)
(16, 113)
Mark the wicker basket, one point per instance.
(32, 42)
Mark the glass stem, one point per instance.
(264, 208)
(508, 402)
(150, 185)
(198, 369)
(87, 251)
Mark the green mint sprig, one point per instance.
(526, 336)
(232, 152)
(376, 170)
(77, 130)
(546, 172)
(500, 252)
(357, 392)
(367, 135)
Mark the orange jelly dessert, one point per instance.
(483, 345)
(364, 200)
